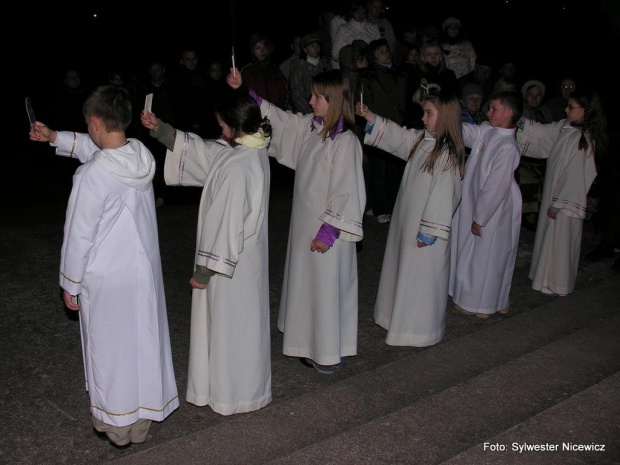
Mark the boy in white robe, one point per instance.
(487, 223)
(110, 260)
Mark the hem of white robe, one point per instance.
(486, 311)
(559, 290)
(229, 409)
(321, 360)
(141, 413)
(408, 339)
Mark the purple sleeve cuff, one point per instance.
(256, 97)
(328, 234)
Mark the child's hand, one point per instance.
(69, 301)
(421, 244)
(196, 285)
(234, 79)
(41, 133)
(318, 246)
(362, 110)
(149, 120)
(476, 229)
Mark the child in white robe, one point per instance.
(487, 223)
(413, 288)
(319, 304)
(569, 147)
(110, 261)
(230, 343)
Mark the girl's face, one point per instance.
(430, 116)
(574, 112)
(500, 116)
(227, 132)
(432, 56)
(319, 105)
(260, 51)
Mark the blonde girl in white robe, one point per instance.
(413, 288)
(319, 304)
(230, 343)
(569, 147)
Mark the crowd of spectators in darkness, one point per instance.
(426, 52)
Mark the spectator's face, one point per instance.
(72, 79)
(313, 50)
(215, 71)
(260, 51)
(376, 9)
(412, 57)
(432, 55)
(567, 87)
(359, 15)
(156, 71)
(189, 60)
(473, 102)
(452, 30)
(382, 54)
(534, 96)
(508, 70)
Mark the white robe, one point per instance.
(110, 257)
(230, 348)
(413, 288)
(319, 304)
(570, 173)
(482, 266)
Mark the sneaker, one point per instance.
(382, 219)
(369, 212)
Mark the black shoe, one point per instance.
(601, 251)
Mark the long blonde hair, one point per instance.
(448, 133)
(335, 86)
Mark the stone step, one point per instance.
(434, 404)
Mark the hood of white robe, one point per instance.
(132, 164)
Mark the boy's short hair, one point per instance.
(510, 99)
(112, 105)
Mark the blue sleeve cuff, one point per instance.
(426, 238)
(369, 126)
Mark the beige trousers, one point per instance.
(122, 435)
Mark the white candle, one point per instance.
(362, 100)
(233, 61)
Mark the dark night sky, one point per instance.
(546, 38)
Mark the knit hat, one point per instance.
(311, 38)
(472, 88)
(530, 83)
(450, 22)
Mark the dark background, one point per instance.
(547, 39)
